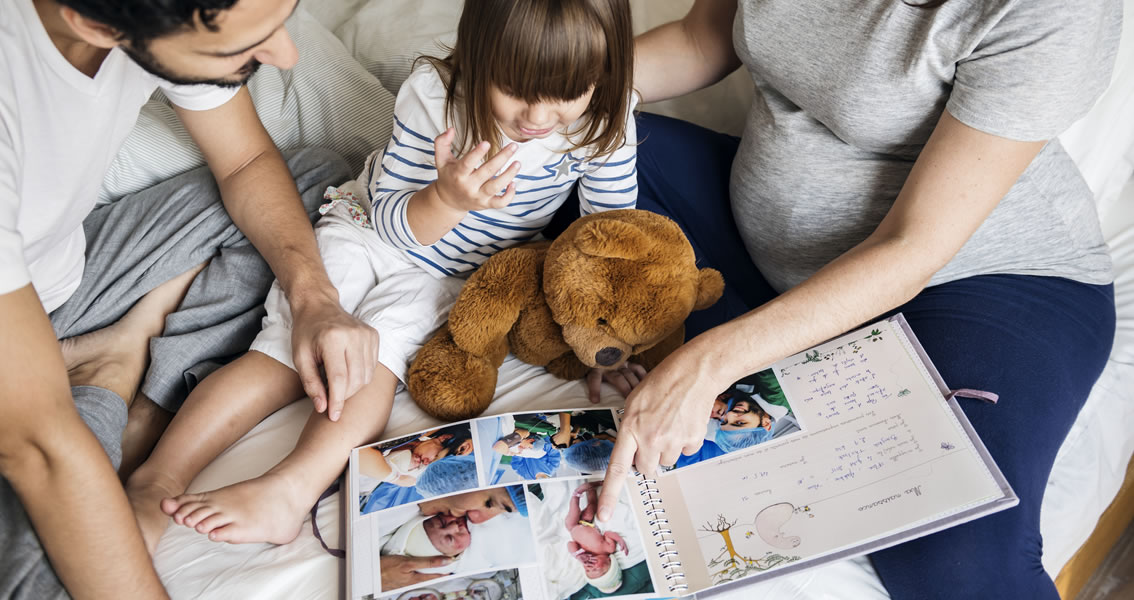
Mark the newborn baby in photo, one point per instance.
(597, 550)
(439, 535)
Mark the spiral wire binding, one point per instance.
(663, 536)
(664, 541)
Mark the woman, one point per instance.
(896, 157)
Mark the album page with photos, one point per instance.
(849, 447)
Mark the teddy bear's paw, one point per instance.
(449, 383)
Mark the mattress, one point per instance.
(381, 36)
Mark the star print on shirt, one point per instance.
(563, 169)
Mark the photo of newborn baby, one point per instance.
(467, 533)
(580, 556)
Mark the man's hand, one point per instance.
(346, 349)
(260, 195)
(400, 571)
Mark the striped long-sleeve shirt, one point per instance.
(548, 174)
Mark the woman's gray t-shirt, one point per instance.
(847, 93)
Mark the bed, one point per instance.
(354, 54)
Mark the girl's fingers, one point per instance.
(494, 185)
(473, 159)
(505, 199)
(443, 148)
(594, 385)
(493, 165)
(619, 381)
(631, 377)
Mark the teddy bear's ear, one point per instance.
(608, 238)
(710, 286)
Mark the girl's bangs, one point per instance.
(549, 57)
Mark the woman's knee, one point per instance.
(997, 556)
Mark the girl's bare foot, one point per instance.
(146, 491)
(270, 508)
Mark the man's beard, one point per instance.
(147, 61)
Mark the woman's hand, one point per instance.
(624, 379)
(664, 418)
(471, 182)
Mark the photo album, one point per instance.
(849, 447)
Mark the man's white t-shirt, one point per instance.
(59, 132)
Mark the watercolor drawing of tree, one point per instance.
(730, 564)
(722, 527)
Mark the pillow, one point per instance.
(332, 13)
(1102, 143)
(327, 100)
(387, 36)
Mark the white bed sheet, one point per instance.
(1087, 473)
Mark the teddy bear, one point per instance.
(614, 287)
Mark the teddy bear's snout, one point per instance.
(608, 356)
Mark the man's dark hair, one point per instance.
(139, 21)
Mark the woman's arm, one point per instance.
(958, 179)
(687, 55)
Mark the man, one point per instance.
(161, 278)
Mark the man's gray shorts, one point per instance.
(133, 246)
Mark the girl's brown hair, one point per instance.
(541, 50)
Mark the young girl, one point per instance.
(534, 101)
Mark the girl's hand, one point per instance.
(470, 182)
(624, 380)
(664, 418)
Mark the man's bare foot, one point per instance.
(115, 357)
(145, 422)
(269, 508)
(146, 491)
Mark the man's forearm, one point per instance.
(80, 513)
(263, 202)
(57, 468)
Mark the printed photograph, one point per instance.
(751, 411)
(477, 532)
(534, 446)
(581, 557)
(501, 585)
(413, 468)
